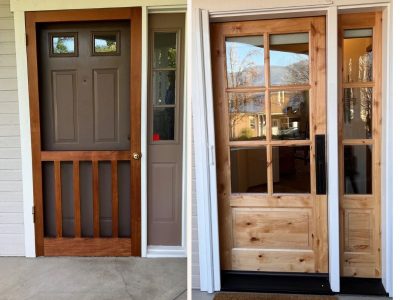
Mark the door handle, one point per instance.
(136, 155)
(320, 164)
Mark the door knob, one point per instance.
(136, 155)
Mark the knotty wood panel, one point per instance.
(359, 230)
(360, 215)
(273, 260)
(271, 228)
(265, 200)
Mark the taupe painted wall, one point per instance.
(11, 207)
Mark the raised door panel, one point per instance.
(106, 104)
(64, 98)
(273, 260)
(271, 228)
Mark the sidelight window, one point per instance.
(164, 86)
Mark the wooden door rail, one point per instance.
(85, 155)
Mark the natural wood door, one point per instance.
(360, 119)
(85, 118)
(270, 114)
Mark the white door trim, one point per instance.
(205, 150)
(333, 146)
(394, 136)
(203, 131)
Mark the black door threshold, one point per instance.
(272, 282)
(362, 286)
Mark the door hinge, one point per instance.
(33, 214)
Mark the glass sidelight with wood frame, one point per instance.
(270, 114)
(360, 144)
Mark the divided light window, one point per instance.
(357, 125)
(268, 83)
(164, 73)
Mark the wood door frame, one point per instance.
(359, 21)
(204, 144)
(315, 26)
(134, 15)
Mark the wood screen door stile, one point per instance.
(360, 121)
(84, 86)
(270, 110)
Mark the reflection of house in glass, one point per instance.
(247, 116)
(289, 115)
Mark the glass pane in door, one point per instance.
(289, 59)
(357, 55)
(357, 169)
(248, 169)
(291, 169)
(357, 122)
(247, 116)
(290, 115)
(245, 61)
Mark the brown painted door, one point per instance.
(90, 205)
(270, 122)
(165, 138)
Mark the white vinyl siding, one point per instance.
(11, 206)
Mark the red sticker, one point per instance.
(156, 137)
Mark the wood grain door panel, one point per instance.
(360, 144)
(270, 216)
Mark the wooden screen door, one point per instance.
(270, 123)
(84, 80)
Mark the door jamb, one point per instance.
(31, 19)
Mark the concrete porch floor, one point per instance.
(92, 278)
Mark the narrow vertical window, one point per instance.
(164, 74)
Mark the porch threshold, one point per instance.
(275, 282)
(362, 286)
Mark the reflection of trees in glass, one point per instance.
(106, 44)
(60, 44)
(243, 71)
(172, 57)
(297, 72)
(165, 56)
